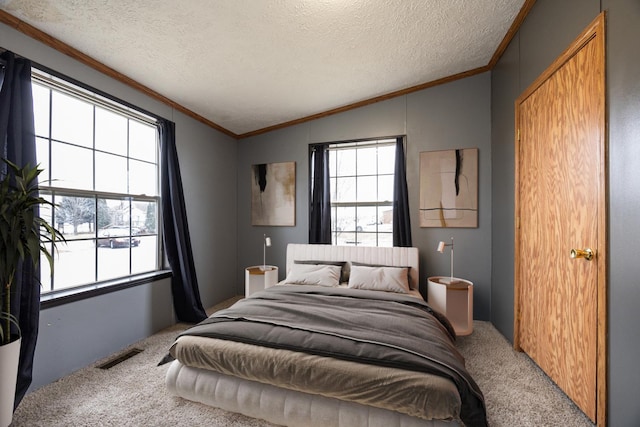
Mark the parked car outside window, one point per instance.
(117, 237)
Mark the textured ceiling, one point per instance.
(250, 64)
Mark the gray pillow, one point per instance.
(364, 264)
(383, 278)
(344, 273)
(314, 274)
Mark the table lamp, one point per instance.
(267, 242)
(441, 246)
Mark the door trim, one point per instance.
(595, 30)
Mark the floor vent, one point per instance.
(121, 358)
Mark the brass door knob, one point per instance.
(587, 253)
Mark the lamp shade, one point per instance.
(441, 246)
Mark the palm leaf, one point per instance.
(11, 319)
(23, 234)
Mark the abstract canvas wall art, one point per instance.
(273, 194)
(449, 188)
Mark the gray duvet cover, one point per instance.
(372, 327)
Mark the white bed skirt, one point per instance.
(281, 406)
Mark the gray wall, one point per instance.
(454, 115)
(208, 169)
(71, 336)
(76, 334)
(548, 30)
(623, 86)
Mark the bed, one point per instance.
(344, 340)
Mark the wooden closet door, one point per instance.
(560, 206)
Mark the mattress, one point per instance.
(413, 393)
(282, 406)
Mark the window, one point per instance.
(361, 178)
(100, 162)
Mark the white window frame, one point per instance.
(48, 189)
(378, 233)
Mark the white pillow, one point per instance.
(389, 279)
(314, 274)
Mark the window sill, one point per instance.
(66, 296)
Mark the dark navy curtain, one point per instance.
(177, 243)
(18, 144)
(320, 200)
(401, 220)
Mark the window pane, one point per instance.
(385, 188)
(72, 120)
(143, 178)
(367, 239)
(46, 212)
(115, 240)
(144, 218)
(332, 163)
(104, 214)
(72, 167)
(334, 223)
(41, 110)
(113, 261)
(346, 239)
(75, 217)
(367, 161)
(143, 257)
(346, 219)
(111, 173)
(332, 185)
(111, 132)
(75, 264)
(113, 213)
(42, 156)
(345, 162)
(45, 273)
(367, 219)
(385, 219)
(142, 141)
(367, 189)
(386, 159)
(345, 190)
(385, 239)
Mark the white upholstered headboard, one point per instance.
(397, 257)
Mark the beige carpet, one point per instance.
(132, 393)
(516, 391)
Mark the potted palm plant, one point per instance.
(23, 236)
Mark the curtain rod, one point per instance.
(3, 62)
(375, 138)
